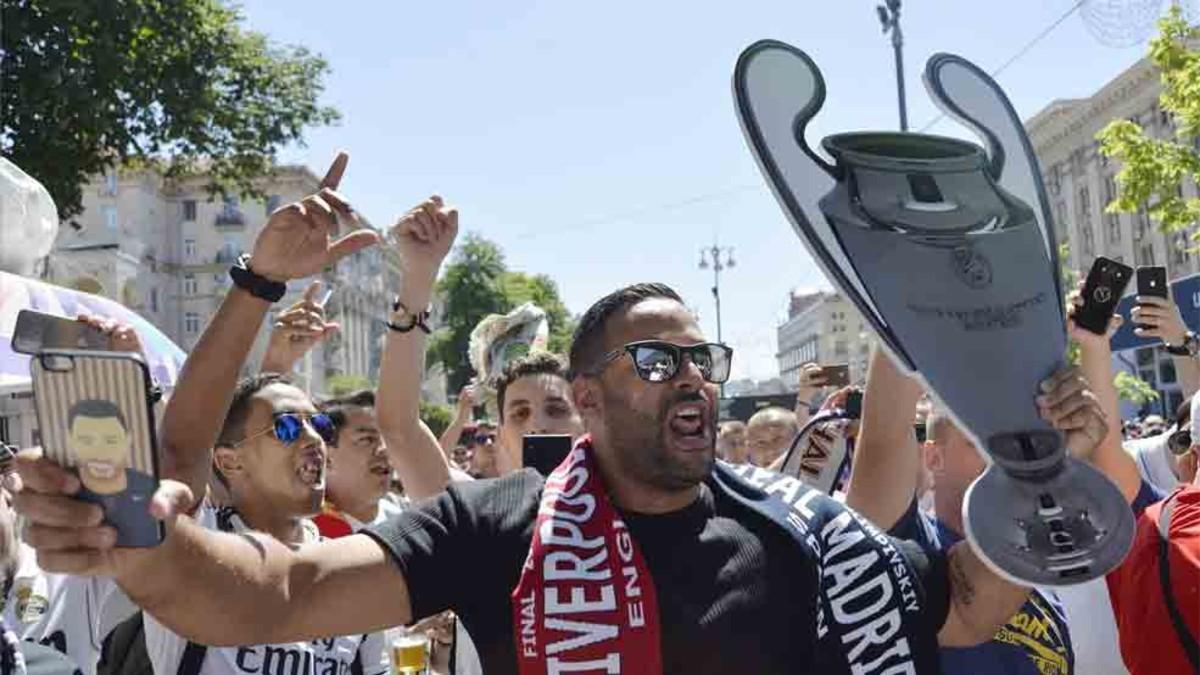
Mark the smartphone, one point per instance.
(854, 402)
(36, 331)
(95, 417)
(836, 375)
(1152, 281)
(545, 452)
(1102, 291)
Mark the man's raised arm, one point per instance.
(887, 458)
(294, 243)
(215, 588)
(423, 237)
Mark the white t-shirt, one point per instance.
(60, 611)
(331, 656)
(389, 506)
(1154, 462)
(1093, 628)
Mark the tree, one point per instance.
(341, 385)
(472, 287)
(91, 85)
(476, 283)
(541, 290)
(436, 417)
(1153, 170)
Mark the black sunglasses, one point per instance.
(288, 427)
(657, 361)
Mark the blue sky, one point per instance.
(598, 143)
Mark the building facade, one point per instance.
(164, 247)
(822, 328)
(1080, 182)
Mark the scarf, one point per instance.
(586, 602)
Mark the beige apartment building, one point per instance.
(163, 248)
(823, 328)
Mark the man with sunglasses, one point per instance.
(1163, 460)
(639, 554)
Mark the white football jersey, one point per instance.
(60, 611)
(346, 655)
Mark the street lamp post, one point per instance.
(711, 256)
(889, 16)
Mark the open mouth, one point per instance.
(101, 469)
(311, 471)
(381, 470)
(689, 425)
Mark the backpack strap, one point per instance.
(192, 660)
(1186, 639)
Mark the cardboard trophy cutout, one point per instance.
(948, 251)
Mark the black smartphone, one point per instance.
(545, 452)
(36, 331)
(1152, 281)
(96, 418)
(854, 402)
(836, 375)
(1102, 291)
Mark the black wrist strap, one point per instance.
(1186, 639)
(258, 286)
(416, 319)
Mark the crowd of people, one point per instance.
(305, 536)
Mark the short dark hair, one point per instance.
(537, 363)
(588, 340)
(234, 427)
(95, 408)
(338, 408)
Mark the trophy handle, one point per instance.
(966, 93)
(778, 90)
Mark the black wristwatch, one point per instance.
(1189, 347)
(415, 319)
(258, 286)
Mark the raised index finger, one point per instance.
(333, 176)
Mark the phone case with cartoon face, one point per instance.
(96, 418)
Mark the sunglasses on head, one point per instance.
(289, 425)
(656, 361)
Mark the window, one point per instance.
(189, 210)
(1166, 372)
(191, 323)
(840, 348)
(109, 213)
(1085, 202)
(1110, 189)
(4, 432)
(1179, 244)
(1060, 219)
(1141, 223)
(189, 249)
(1143, 255)
(1112, 222)
(154, 299)
(1087, 241)
(273, 202)
(110, 184)
(1053, 182)
(190, 287)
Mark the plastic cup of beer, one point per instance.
(410, 654)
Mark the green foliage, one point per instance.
(473, 288)
(541, 290)
(436, 417)
(1134, 389)
(91, 85)
(1153, 170)
(340, 385)
(476, 283)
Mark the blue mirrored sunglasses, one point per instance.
(288, 426)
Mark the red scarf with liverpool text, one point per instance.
(585, 602)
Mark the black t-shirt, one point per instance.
(736, 594)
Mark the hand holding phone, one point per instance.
(836, 375)
(36, 331)
(1151, 282)
(95, 416)
(1102, 291)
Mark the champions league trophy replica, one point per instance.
(946, 248)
